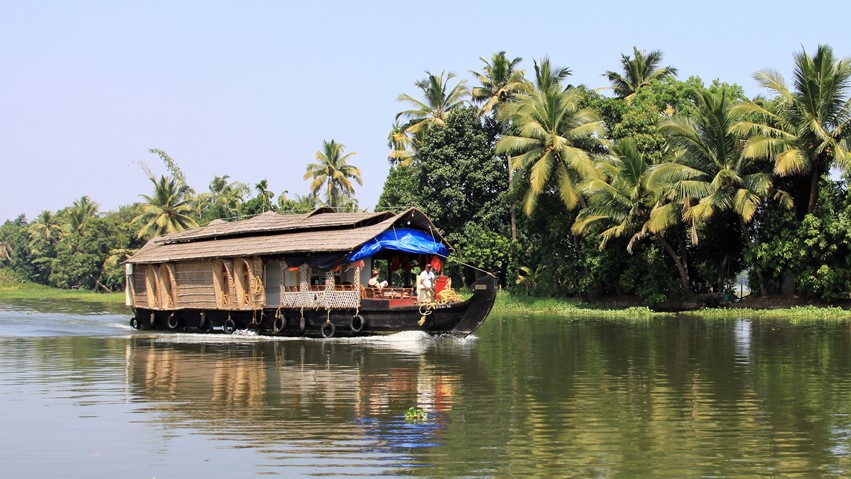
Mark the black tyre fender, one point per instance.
(279, 324)
(357, 323)
(327, 330)
(134, 323)
(229, 326)
(173, 321)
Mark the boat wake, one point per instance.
(402, 340)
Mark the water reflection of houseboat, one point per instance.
(257, 381)
(295, 275)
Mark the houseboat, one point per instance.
(302, 275)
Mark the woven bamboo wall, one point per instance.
(167, 286)
(194, 282)
(140, 299)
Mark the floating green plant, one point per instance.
(415, 415)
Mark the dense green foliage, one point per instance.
(665, 189)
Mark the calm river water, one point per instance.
(83, 395)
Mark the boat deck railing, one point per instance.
(339, 296)
(387, 293)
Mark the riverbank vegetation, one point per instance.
(12, 287)
(659, 188)
(514, 303)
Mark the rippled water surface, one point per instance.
(83, 395)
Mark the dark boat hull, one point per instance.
(374, 317)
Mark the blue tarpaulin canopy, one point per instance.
(400, 239)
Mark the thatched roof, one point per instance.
(321, 231)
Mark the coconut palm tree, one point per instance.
(185, 190)
(300, 204)
(80, 213)
(638, 70)
(554, 137)
(711, 170)
(805, 131)
(400, 145)
(118, 256)
(710, 174)
(225, 199)
(620, 202)
(167, 211)
(620, 205)
(333, 173)
(47, 228)
(264, 196)
(439, 100)
(549, 76)
(500, 82)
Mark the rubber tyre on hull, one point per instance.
(229, 327)
(327, 330)
(357, 323)
(279, 324)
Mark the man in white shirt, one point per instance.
(425, 285)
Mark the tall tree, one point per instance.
(333, 173)
(401, 146)
(301, 204)
(264, 196)
(6, 252)
(500, 81)
(175, 171)
(621, 202)
(805, 131)
(46, 230)
(167, 211)
(225, 199)
(438, 100)
(460, 184)
(710, 174)
(14, 247)
(638, 70)
(80, 213)
(554, 137)
(549, 76)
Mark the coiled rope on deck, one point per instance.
(445, 296)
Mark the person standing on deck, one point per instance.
(425, 285)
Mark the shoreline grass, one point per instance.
(14, 288)
(511, 303)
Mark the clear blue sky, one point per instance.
(250, 89)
